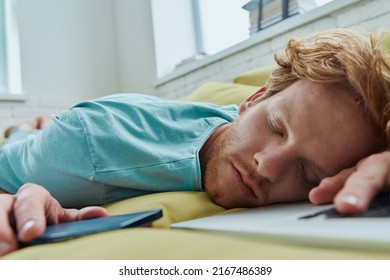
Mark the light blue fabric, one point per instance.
(20, 134)
(115, 147)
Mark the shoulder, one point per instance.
(133, 104)
(121, 98)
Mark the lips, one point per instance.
(242, 182)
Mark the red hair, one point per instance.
(354, 59)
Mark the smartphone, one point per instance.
(65, 231)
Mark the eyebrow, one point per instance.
(285, 114)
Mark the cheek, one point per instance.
(253, 126)
(290, 192)
(217, 179)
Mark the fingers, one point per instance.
(329, 187)
(371, 177)
(35, 207)
(31, 203)
(353, 189)
(32, 207)
(92, 212)
(82, 214)
(8, 241)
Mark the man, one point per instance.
(322, 110)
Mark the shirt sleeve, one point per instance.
(58, 158)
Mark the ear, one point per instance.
(248, 101)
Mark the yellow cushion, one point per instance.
(256, 77)
(160, 242)
(164, 244)
(176, 206)
(221, 93)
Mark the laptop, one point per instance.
(305, 223)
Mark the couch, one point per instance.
(159, 241)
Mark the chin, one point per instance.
(223, 203)
(217, 197)
(226, 201)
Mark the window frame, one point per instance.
(263, 35)
(12, 78)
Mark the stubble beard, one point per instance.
(222, 155)
(219, 156)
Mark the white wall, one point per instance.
(175, 41)
(135, 46)
(67, 48)
(73, 50)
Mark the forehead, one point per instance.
(305, 98)
(314, 93)
(326, 122)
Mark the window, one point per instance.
(186, 31)
(10, 72)
(215, 29)
(264, 13)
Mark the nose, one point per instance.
(274, 163)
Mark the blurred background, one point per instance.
(54, 53)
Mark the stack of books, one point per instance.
(262, 15)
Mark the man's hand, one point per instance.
(352, 189)
(29, 210)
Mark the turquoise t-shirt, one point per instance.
(115, 147)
